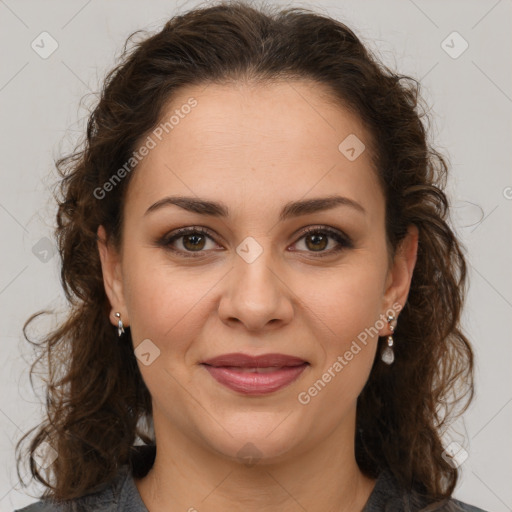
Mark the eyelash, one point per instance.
(344, 241)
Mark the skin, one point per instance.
(255, 148)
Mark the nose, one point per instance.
(256, 294)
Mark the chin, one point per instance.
(256, 438)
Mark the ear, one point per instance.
(399, 276)
(112, 277)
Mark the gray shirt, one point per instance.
(121, 494)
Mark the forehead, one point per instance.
(264, 115)
(235, 140)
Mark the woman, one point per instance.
(264, 289)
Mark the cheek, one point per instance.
(346, 301)
(346, 313)
(164, 305)
(163, 301)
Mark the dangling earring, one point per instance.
(388, 356)
(120, 328)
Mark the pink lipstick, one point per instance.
(255, 375)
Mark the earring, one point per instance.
(388, 356)
(120, 328)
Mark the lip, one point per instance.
(255, 375)
(247, 361)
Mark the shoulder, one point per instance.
(388, 496)
(103, 498)
(35, 507)
(40, 506)
(451, 505)
(120, 493)
(463, 507)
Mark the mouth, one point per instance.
(255, 375)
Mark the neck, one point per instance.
(188, 476)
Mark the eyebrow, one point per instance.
(290, 210)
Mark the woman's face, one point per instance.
(253, 282)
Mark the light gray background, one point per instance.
(471, 102)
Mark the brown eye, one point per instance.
(193, 242)
(187, 241)
(316, 240)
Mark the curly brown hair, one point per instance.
(97, 401)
